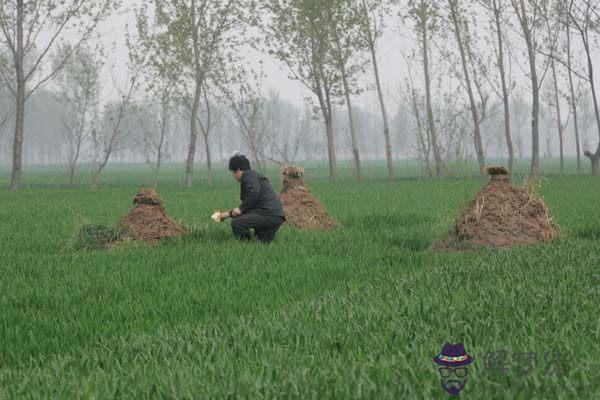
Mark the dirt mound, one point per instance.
(302, 209)
(148, 221)
(501, 216)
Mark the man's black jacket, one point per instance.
(258, 196)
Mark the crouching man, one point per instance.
(261, 208)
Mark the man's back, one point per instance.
(258, 196)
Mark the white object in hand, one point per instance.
(216, 216)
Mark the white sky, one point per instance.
(389, 56)
(396, 40)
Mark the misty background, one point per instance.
(260, 108)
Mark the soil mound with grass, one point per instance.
(302, 209)
(148, 221)
(502, 215)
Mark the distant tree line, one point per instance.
(480, 78)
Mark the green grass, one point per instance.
(354, 313)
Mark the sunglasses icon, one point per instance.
(446, 372)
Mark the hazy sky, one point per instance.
(397, 42)
(398, 39)
(389, 55)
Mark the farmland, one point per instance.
(358, 312)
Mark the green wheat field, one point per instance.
(354, 313)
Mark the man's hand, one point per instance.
(223, 216)
(236, 212)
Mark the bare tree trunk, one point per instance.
(474, 112)
(535, 122)
(342, 67)
(325, 105)
(112, 142)
(535, 112)
(95, 180)
(159, 149)
(330, 148)
(558, 116)
(572, 99)
(251, 138)
(156, 171)
(425, 148)
(430, 119)
(355, 150)
(595, 166)
(505, 94)
(248, 130)
(20, 112)
(584, 32)
(189, 170)
(206, 133)
(72, 175)
(18, 139)
(594, 157)
(78, 142)
(73, 162)
(386, 126)
(208, 160)
(159, 155)
(330, 139)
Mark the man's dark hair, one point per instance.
(239, 161)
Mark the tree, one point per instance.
(158, 115)
(213, 118)
(587, 117)
(209, 117)
(249, 107)
(22, 23)
(287, 128)
(79, 90)
(520, 109)
(572, 97)
(371, 16)
(107, 138)
(297, 33)
(461, 33)
(4, 124)
(8, 112)
(344, 50)
(553, 34)
(198, 37)
(424, 16)
(453, 123)
(561, 127)
(497, 8)
(585, 17)
(529, 14)
(161, 79)
(423, 147)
